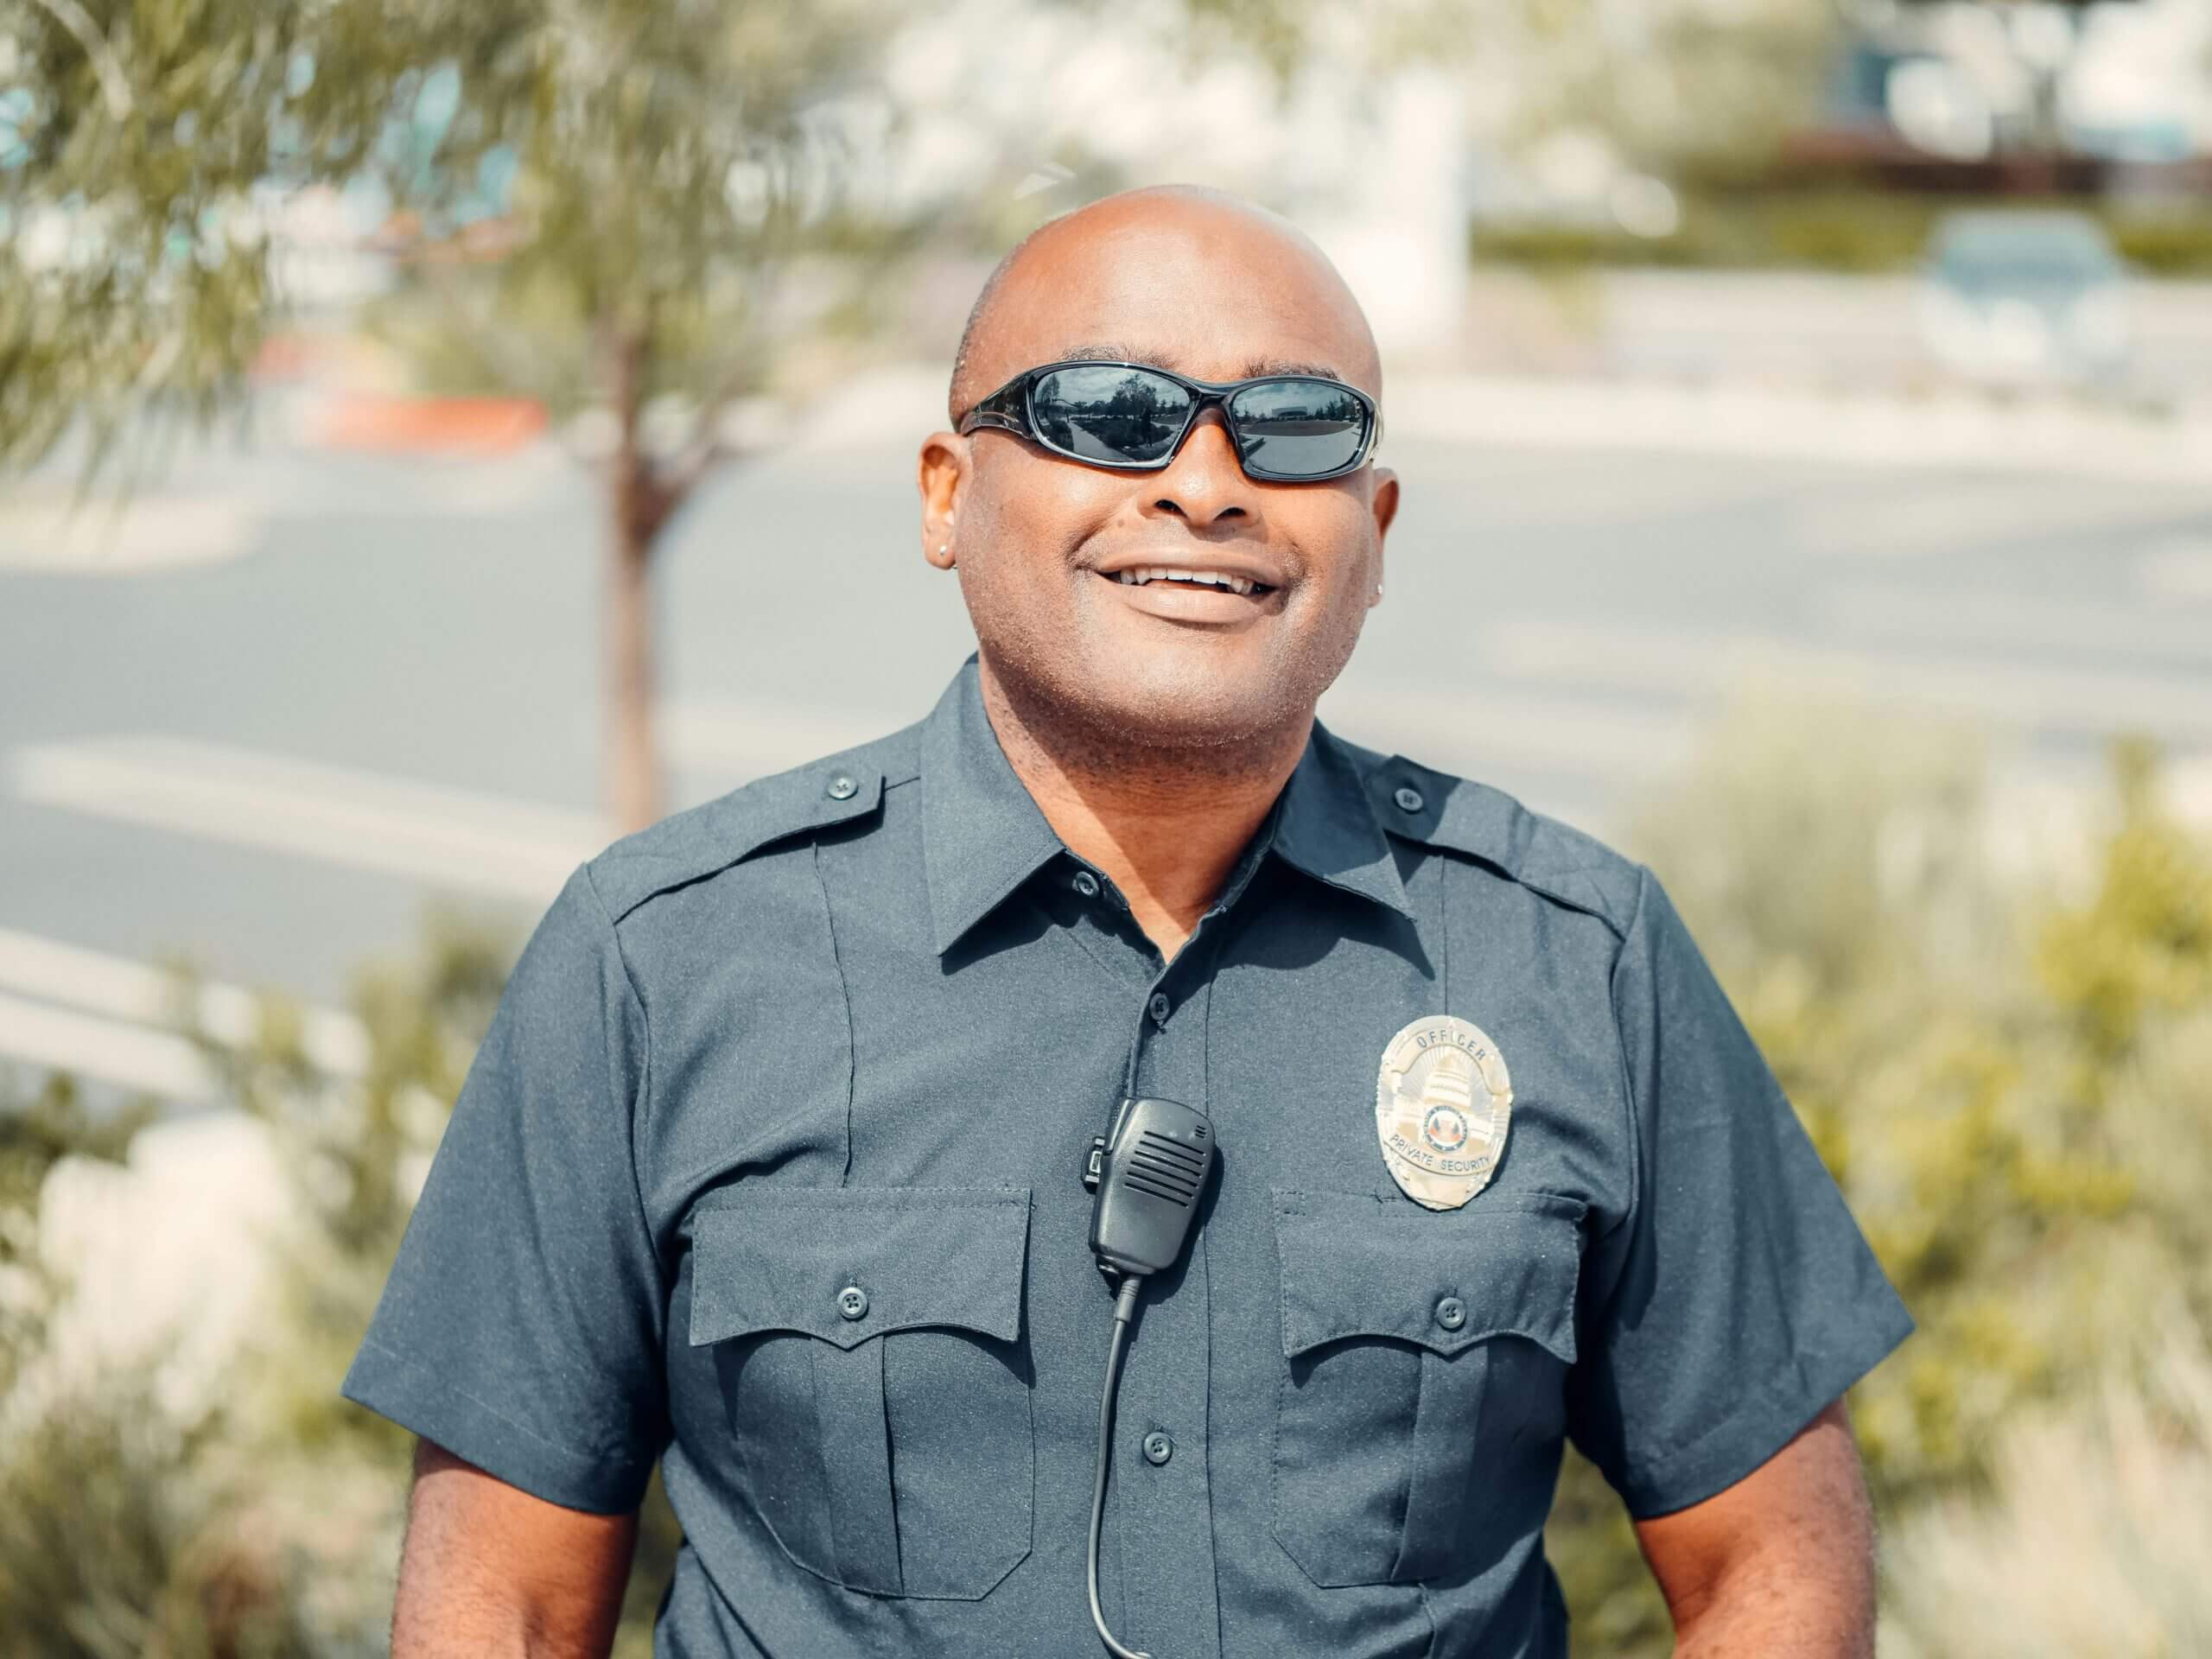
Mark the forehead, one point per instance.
(1217, 296)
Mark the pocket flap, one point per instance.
(1357, 1266)
(783, 1260)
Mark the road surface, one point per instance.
(292, 699)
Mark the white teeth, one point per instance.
(1139, 575)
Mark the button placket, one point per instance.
(1163, 1511)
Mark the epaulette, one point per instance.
(1486, 824)
(704, 839)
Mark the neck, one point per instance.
(1165, 824)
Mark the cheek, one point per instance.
(1338, 537)
(1027, 521)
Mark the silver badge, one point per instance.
(1442, 1100)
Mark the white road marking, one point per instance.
(149, 533)
(116, 988)
(1960, 621)
(1941, 518)
(1484, 729)
(2176, 568)
(128, 1055)
(1476, 730)
(1683, 662)
(1956, 431)
(735, 742)
(447, 837)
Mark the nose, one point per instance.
(1203, 485)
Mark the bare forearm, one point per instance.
(1822, 1610)
(490, 1573)
(1782, 1564)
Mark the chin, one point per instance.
(1189, 705)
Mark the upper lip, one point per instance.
(1262, 571)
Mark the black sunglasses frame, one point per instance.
(1008, 410)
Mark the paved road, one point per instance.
(317, 693)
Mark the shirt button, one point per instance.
(1086, 884)
(852, 1303)
(1451, 1313)
(1157, 1448)
(1407, 798)
(842, 788)
(1159, 1008)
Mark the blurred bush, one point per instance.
(2006, 1062)
(266, 1523)
(2013, 1087)
(2091, 1539)
(1834, 229)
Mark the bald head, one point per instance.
(1127, 270)
(1208, 672)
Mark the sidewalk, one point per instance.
(1951, 430)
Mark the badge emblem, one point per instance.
(1441, 1103)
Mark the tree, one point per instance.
(1679, 87)
(660, 164)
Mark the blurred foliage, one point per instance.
(1830, 228)
(37, 1130)
(1670, 86)
(113, 1545)
(654, 158)
(2005, 1055)
(2014, 1089)
(2091, 1539)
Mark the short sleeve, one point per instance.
(521, 1328)
(1736, 1298)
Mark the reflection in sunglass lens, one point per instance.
(1298, 429)
(1104, 413)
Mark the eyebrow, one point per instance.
(1255, 368)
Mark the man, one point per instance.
(772, 1167)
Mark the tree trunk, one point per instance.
(638, 511)
(632, 758)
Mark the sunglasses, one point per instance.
(1288, 429)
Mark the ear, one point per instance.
(945, 466)
(1385, 509)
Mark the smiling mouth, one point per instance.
(1215, 580)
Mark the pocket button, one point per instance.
(852, 1302)
(1157, 1448)
(1451, 1313)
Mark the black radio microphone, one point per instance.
(1149, 1173)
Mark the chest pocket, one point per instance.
(868, 1346)
(1425, 1356)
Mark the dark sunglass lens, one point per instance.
(1102, 413)
(1298, 429)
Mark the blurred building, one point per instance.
(1961, 92)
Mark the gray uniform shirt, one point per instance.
(770, 1169)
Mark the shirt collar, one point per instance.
(1327, 827)
(982, 834)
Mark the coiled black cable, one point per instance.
(1125, 1313)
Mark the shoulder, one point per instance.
(841, 789)
(1561, 864)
